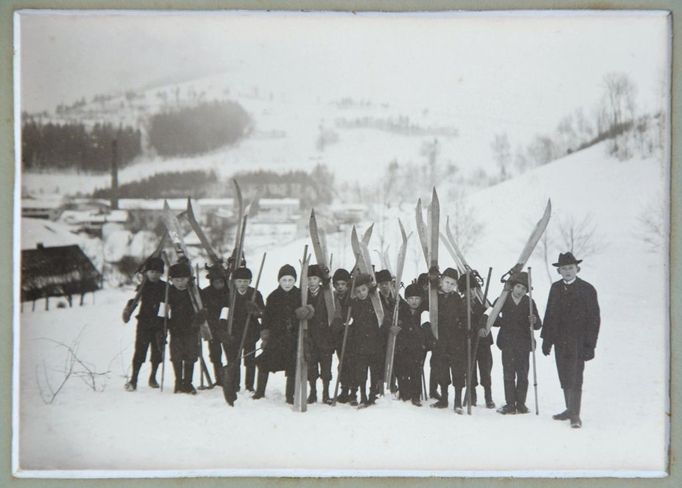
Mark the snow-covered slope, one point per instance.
(625, 390)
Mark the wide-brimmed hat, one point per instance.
(519, 278)
(566, 259)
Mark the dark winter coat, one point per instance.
(240, 314)
(368, 337)
(279, 319)
(150, 299)
(321, 334)
(342, 303)
(452, 333)
(184, 331)
(411, 340)
(572, 316)
(514, 324)
(214, 300)
(479, 321)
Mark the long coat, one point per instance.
(214, 300)
(279, 319)
(321, 334)
(184, 343)
(368, 337)
(514, 324)
(240, 314)
(572, 321)
(152, 296)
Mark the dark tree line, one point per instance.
(177, 184)
(198, 129)
(75, 146)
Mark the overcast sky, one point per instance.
(522, 69)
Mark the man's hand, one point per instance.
(546, 347)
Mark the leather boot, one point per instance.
(521, 393)
(353, 397)
(290, 388)
(433, 387)
(325, 392)
(443, 399)
(576, 397)
(566, 414)
(262, 383)
(187, 378)
(489, 403)
(250, 375)
(218, 373)
(177, 370)
(152, 376)
(312, 396)
(343, 396)
(131, 385)
(458, 400)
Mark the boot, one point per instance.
(290, 388)
(443, 399)
(353, 397)
(343, 396)
(187, 378)
(325, 392)
(510, 393)
(312, 396)
(363, 396)
(433, 388)
(470, 391)
(218, 373)
(250, 375)
(131, 385)
(177, 370)
(576, 397)
(262, 383)
(521, 392)
(416, 402)
(507, 409)
(458, 400)
(152, 376)
(566, 414)
(489, 403)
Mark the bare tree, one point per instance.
(465, 226)
(502, 153)
(619, 99)
(580, 237)
(652, 229)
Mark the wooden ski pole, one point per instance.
(468, 299)
(532, 339)
(343, 344)
(477, 340)
(165, 319)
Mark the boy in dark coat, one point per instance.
(369, 340)
(410, 346)
(341, 281)
(184, 327)
(149, 331)
(243, 306)
(481, 341)
(572, 321)
(216, 301)
(515, 342)
(321, 335)
(449, 351)
(279, 333)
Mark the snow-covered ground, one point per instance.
(625, 399)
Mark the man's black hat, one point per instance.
(566, 259)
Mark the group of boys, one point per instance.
(571, 326)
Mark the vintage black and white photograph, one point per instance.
(341, 244)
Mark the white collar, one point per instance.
(570, 282)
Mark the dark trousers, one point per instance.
(570, 366)
(215, 351)
(184, 346)
(515, 372)
(484, 359)
(146, 338)
(449, 367)
(320, 364)
(363, 362)
(409, 373)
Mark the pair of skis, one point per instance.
(320, 249)
(392, 336)
(428, 237)
(364, 265)
(301, 378)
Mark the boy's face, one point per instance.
(153, 275)
(314, 282)
(568, 272)
(385, 288)
(341, 286)
(362, 291)
(218, 283)
(447, 284)
(287, 282)
(414, 302)
(242, 284)
(180, 283)
(519, 290)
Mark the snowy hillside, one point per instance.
(286, 130)
(625, 391)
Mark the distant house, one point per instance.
(57, 271)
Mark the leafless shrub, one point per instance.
(580, 237)
(652, 229)
(73, 367)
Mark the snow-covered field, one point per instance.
(625, 400)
